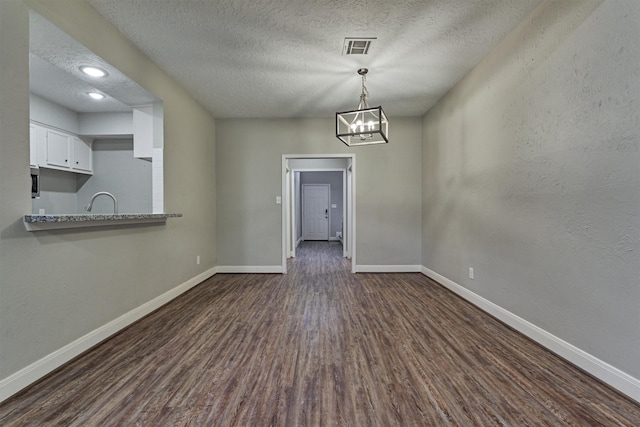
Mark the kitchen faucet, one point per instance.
(103, 193)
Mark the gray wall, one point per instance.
(57, 286)
(334, 179)
(531, 176)
(47, 112)
(249, 175)
(58, 192)
(117, 171)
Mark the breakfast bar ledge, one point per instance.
(56, 222)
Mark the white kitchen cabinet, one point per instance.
(56, 149)
(148, 129)
(82, 155)
(33, 146)
(143, 132)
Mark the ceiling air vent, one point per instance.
(357, 45)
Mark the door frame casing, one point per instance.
(349, 207)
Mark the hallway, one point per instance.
(318, 257)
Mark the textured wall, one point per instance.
(531, 176)
(55, 287)
(249, 172)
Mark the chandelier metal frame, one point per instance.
(365, 125)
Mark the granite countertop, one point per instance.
(52, 222)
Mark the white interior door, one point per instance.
(315, 211)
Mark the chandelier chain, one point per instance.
(363, 96)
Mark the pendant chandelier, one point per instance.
(364, 125)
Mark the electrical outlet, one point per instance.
(198, 259)
(471, 273)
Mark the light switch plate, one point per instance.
(278, 200)
(333, 206)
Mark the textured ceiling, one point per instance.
(54, 73)
(283, 58)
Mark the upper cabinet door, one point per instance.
(58, 149)
(82, 155)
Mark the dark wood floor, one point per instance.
(318, 346)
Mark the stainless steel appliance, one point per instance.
(35, 183)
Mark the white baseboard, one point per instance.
(611, 375)
(30, 374)
(300, 240)
(249, 269)
(388, 268)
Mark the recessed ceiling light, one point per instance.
(93, 71)
(95, 95)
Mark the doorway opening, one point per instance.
(339, 214)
